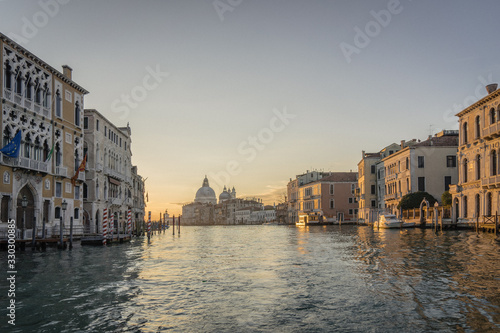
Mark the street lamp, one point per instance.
(64, 206)
(24, 204)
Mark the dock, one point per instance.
(97, 240)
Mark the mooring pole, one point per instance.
(179, 226)
(173, 224)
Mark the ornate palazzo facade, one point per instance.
(46, 106)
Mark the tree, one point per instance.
(446, 199)
(413, 200)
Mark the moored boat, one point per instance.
(388, 221)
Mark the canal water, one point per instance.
(263, 279)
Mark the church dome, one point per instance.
(205, 194)
(225, 195)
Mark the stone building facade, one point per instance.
(112, 181)
(46, 107)
(477, 193)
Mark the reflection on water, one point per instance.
(265, 278)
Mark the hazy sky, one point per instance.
(254, 92)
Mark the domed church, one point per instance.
(206, 194)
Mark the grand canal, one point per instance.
(262, 279)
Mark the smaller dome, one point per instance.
(225, 195)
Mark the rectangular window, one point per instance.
(332, 204)
(373, 169)
(447, 183)
(68, 96)
(331, 189)
(350, 200)
(77, 192)
(58, 189)
(374, 204)
(373, 189)
(68, 188)
(97, 124)
(85, 123)
(421, 184)
(350, 211)
(420, 161)
(105, 130)
(76, 213)
(451, 161)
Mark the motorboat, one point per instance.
(388, 221)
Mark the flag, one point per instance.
(50, 153)
(12, 148)
(81, 168)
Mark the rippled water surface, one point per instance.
(264, 278)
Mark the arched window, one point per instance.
(477, 210)
(58, 155)
(18, 88)
(27, 146)
(477, 128)
(488, 204)
(8, 76)
(492, 116)
(407, 163)
(465, 207)
(478, 167)
(6, 136)
(465, 171)
(57, 213)
(76, 213)
(464, 133)
(493, 166)
(77, 114)
(58, 104)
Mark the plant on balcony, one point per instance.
(413, 200)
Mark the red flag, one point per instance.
(81, 168)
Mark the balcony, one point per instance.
(113, 173)
(61, 171)
(81, 176)
(492, 131)
(98, 167)
(25, 163)
(391, 177)
(490, 182)
(27, 103)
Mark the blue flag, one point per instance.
(12, 148)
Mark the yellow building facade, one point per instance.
(477, 193)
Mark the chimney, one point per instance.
(402, 144)
(67, 71)
(491, 88)
(362, 154)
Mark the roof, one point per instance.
(439, 141)
(340, 177)
(42, 63)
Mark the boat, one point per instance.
(388, 221)
(409, 224)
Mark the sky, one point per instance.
(252, 93)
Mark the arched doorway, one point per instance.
(424, 213)
(28, 212)
(488, 204)
(86, 222)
